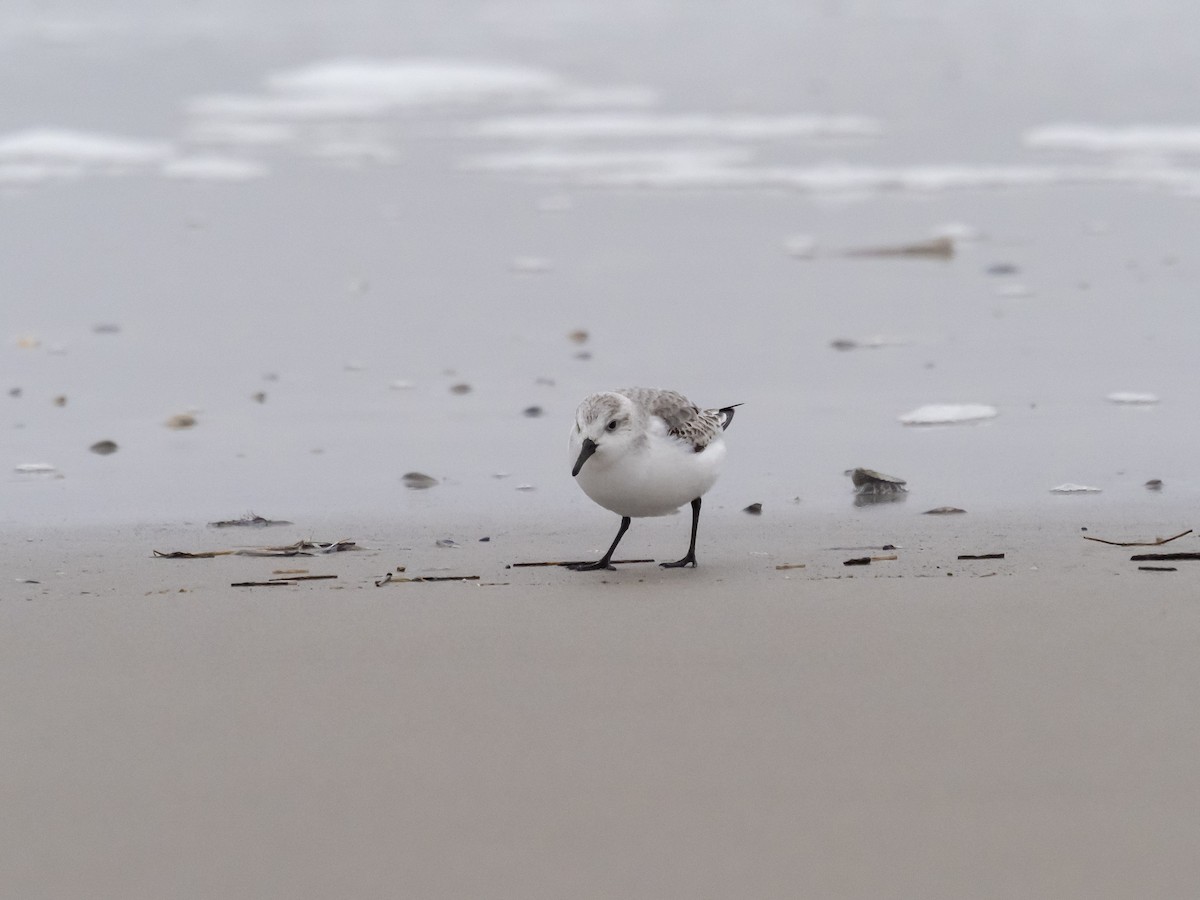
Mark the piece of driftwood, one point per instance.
(305, 578)
(858, 561)
(981, 556)
(249, 520)
(786, 566)
(938, 248)
(300, 548)
(389, 579)
(182, 554)
(261, 583)
(1157, 569)
(1157, 542)
(615, 562)
(1164, 557)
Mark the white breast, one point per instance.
(654, 479)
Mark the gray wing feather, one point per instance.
(684, 419)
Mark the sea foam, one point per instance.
(625, 125)
(404, 82)
(949, 414)
(82, 148)
(1098, 139)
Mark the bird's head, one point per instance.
(606, 424)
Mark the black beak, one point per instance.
(589, 447)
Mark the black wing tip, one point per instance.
(727, 412)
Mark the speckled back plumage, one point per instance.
(684, 419)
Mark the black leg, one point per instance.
(607, 559)
(691, 554)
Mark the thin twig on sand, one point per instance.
(388, 579)
(1157, 542)
(615, 562)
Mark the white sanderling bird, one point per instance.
(646, 452)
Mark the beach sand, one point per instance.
(922, 726)
(353, 241)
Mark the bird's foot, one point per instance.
(689, 560)
(598, 565)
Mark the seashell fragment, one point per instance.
(418, 481)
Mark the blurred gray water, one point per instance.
(405, 246)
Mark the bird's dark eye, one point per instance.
(612, 426)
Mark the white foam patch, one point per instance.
(554, 161)
(214, 168)
(1133, 398)
(949, 414)
(1098, 139)
(414, 82)
(82, 148)
(609, 126)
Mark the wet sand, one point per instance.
(918, 727)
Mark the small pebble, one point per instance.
(460, 389)
(418, 481)
(106, 328)
(1154, 484)
(103, 447)
(182, 420)
(532, 412)
(755, 509)
(578, 336)
(259, 397)
(943, 511)
(60, 400)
